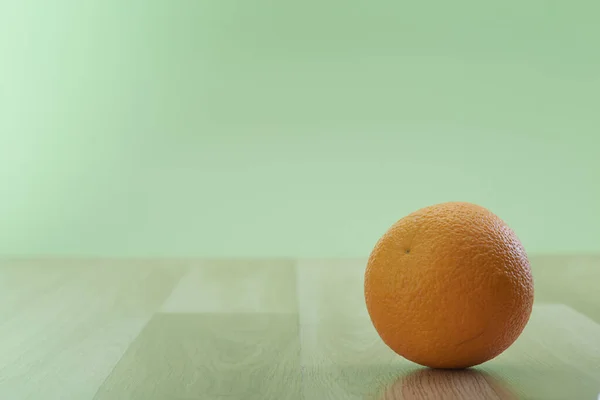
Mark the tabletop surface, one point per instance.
(265, 329)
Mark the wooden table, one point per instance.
(265, 329)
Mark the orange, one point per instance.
(449, 286)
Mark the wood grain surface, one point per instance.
(265, 329)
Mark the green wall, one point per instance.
(292, 128)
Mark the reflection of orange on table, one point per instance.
(448, 385)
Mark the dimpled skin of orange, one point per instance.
(449, 286)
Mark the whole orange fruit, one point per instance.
(449, 286)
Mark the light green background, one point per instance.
(292, 128)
